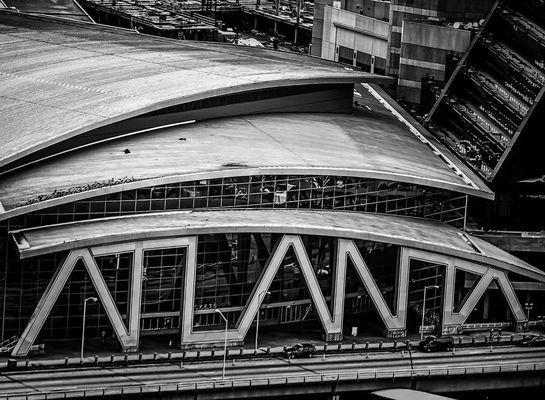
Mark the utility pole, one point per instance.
(225, 342)
(528, 307)
(93, 299)
(263, 293)
(297, 21)
(408, 343)
(424, 309)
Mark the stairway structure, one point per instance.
(486, 110)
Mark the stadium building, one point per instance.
(172, 179)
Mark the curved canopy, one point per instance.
(412, 232)
(370, 144)
(70, 77)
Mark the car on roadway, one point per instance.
(436, 343)
(532, 341)
(300, 350)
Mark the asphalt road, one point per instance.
(70, 379)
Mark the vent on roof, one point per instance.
(235, 165)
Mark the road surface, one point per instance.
(27, 382)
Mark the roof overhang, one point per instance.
(404, 231)
(191, 72)
(240, 172)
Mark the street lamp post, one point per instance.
(424, 309)
(93, 299)
(528, 307)
(257, 320)
(408, 343)
(225, 343)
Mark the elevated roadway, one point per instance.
(463, 370)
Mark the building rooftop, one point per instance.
(59, 8)
(45, 65)
(368, 143)
(406, 231)
(72, 76)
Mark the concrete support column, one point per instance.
(46, 303)
(188, 302)
(333, 325)
(394, 322)
(331, 322)
(135, 295)
(128, 342)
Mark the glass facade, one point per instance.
(65, 320)
(424, 275)
(162, 280)
(228, 266)
(382, 260)
(275, 191)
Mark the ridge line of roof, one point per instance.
(434, 148)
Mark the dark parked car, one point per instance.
(434, 343)
(532, 341)
(300, 350)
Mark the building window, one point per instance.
(162, 280)
(265, 191)
(422, 275)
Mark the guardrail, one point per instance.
(282, 380)
(236, 353)
(486, 325)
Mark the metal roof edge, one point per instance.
(233, 172)
(450, 159)
(99, 26)
(241, 88)
(509, 263)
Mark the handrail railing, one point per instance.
(290, 380)
(234, 353)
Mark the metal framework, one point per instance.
(332, 322)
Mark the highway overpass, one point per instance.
(463, 370)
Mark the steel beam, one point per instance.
(46, 303)
(332, 324)
(394, 322)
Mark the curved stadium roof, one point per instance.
(405, 231)
(65, 78)
(62, 78)
(296, 144)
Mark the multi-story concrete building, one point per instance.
(408, 40)
(491, 114)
